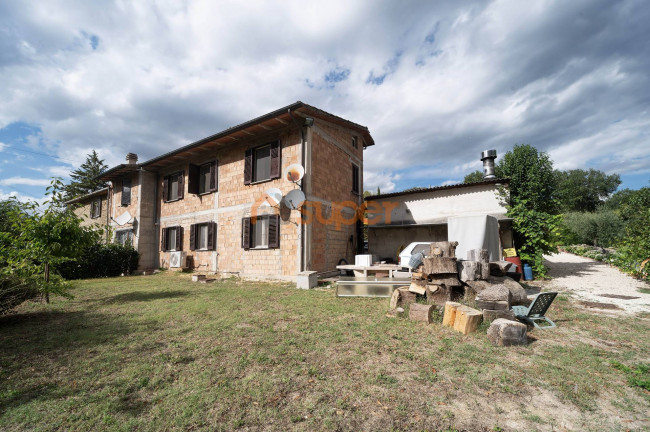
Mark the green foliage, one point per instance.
(474, 177)
(593, 252)
(102, 260)
(34, 243)
(84, 179)
(584, 191)
(603, 228)
(634, 249)
(637, 376)
(531, 203)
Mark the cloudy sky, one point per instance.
(435, 82)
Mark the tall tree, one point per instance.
(531, 203)
(84, 179)
(584, 191)
(474, 177)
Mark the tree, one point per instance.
(584, 191)
(634, 249)
(476, 176)
(530, 199)
(38, 242)
(84, 179)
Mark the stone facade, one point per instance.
(82, 207)
(322, 143)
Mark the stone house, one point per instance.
(207, 199)
(94, 209)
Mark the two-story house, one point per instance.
(208, 197)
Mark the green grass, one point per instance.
(161, 353)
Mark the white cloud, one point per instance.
(12, 181)
(456, 77)
(2, 146)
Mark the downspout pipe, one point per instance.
(302, 162)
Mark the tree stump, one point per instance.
(401, 297)
(439, 265)
(467, 319)
(420, 312)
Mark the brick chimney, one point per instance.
(131, 158)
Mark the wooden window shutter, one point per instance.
(246, 233)
(166, 188)
(193, 237)
(355, 178)
(274, 232)
(163, 239)
(181, 184)
(99, 210)
(212, 233)
(214, 180)
(275, 159)
(193, 179)
(179, 238)
(248, 167)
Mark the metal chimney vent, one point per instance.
(488, 157)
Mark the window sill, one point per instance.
(207, 193)
(171, 201)
(260, 181)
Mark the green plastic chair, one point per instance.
(536, 311)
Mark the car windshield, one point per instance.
(421, 247)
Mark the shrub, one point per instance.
(103, 260)
(603, 228)
(14, 291)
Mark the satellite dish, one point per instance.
(294, 172)
(294, 199)
(273, 196)
(123, 218)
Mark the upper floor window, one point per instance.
(96, 209)
(173, 186)
(262, 163)
(355, 142)
(202, 179)
(126, 191)
(355, 179)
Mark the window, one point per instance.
(355, 179)
(124, 237)
(202, 236)
(262, 163)
(171, 239)
(96, 209)
(263, 234)
(173, 186)
(126, 191)
(202, 179)
(355, 142)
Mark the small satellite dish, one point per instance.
(124, 218)
(273, 196)
(294, 199)
(294, 173)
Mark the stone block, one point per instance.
(307, 280)
(492, 304)
(503, 332)
(497, 292)
(519, 296)
(491, 315)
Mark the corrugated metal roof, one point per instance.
(437, 188)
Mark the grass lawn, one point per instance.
(162, 353)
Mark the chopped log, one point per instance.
(482, 256)
(449, 279)
(395, 312)
(469, 270)
(418, 289)
(467, 319)
(447, 248)
(418, 275)
(401, 297)
(420, 312)
(438, 294)
(439, 265)
(499, 268)
(491, 315)
(492, 304)
(449, 317)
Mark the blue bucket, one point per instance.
(528, 272)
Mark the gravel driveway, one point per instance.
(596, 282)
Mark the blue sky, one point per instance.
(435, 82)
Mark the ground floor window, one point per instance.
(261, 233)
(203, 236)
(124, 237)
(171, 239)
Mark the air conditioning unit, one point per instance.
(177, 259)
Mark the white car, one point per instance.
(411, 249)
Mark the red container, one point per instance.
(516, 261)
